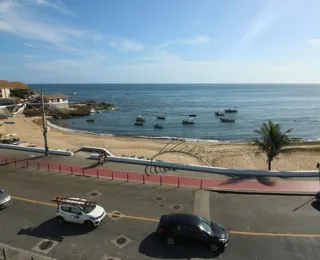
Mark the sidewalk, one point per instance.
(234, 184)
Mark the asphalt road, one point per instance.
(261, 227)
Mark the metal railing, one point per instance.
(4, 255)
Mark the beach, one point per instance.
(219, 154)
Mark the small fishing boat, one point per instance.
(231, 110)
(9, 122)
(92, 111)
(138, 123)
(227, 120)
(218, 113)
(140, 119)
(188, 122)
(158, 126)
(192, 115)
(161, 117)
(90, 120)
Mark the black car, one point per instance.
(318, 196)
(5, 199)
(187, 226)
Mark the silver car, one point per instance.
(5, 199)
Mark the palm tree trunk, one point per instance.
(269, 165)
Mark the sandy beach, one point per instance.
(220, 154)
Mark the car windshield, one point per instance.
(205, 225)
(87, 209)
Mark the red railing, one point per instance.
(91, 171)
(102, 172)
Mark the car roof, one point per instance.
(183, 218)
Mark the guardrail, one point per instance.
(215, 170)
(35, 149)
(252, 184)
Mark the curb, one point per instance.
(257, 192)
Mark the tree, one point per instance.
(21, 93)
(271, 140)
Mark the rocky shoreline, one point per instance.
(75, 110)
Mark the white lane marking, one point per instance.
(202, 204)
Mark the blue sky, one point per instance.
(160, 41)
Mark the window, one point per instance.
(75, 211)
(65, 208)
(194, 229)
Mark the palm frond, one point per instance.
(271, 139)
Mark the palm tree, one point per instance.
(271, 140)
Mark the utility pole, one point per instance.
(44, 126)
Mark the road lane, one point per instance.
(25, 223)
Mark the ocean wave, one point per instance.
(195, 140)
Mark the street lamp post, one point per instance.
(45, 130)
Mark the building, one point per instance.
(8, 101)
(6, 87)
(56, 100)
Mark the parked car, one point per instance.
(79, 211)
(5, 199)
(191, 227)
(318, 196)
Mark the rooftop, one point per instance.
(55, 96)
(12, 85)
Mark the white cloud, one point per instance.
(265, 19)
(126, 45)
(54, 4)
(171, 69)
(190, 41)
(315, 42)
(29, 45)
(19, 19)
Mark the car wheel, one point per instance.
(88, 224)
(61, 220)
(214, 247)
(170, 240)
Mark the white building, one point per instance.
(56, 100)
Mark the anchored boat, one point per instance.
(231, 110)
(158, 126)
(140, 119)
(218, 113)
(227, 120)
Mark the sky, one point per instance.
(160, 41)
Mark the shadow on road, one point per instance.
(315, 205)
(265, 181)
(236, 179)
(50, 229)
(304, 204)
(155, 246)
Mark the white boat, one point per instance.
(92, 111)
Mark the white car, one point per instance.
(79, 211)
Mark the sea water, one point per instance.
(294, 106)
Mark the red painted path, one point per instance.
(235, 184)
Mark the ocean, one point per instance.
(292, 105)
